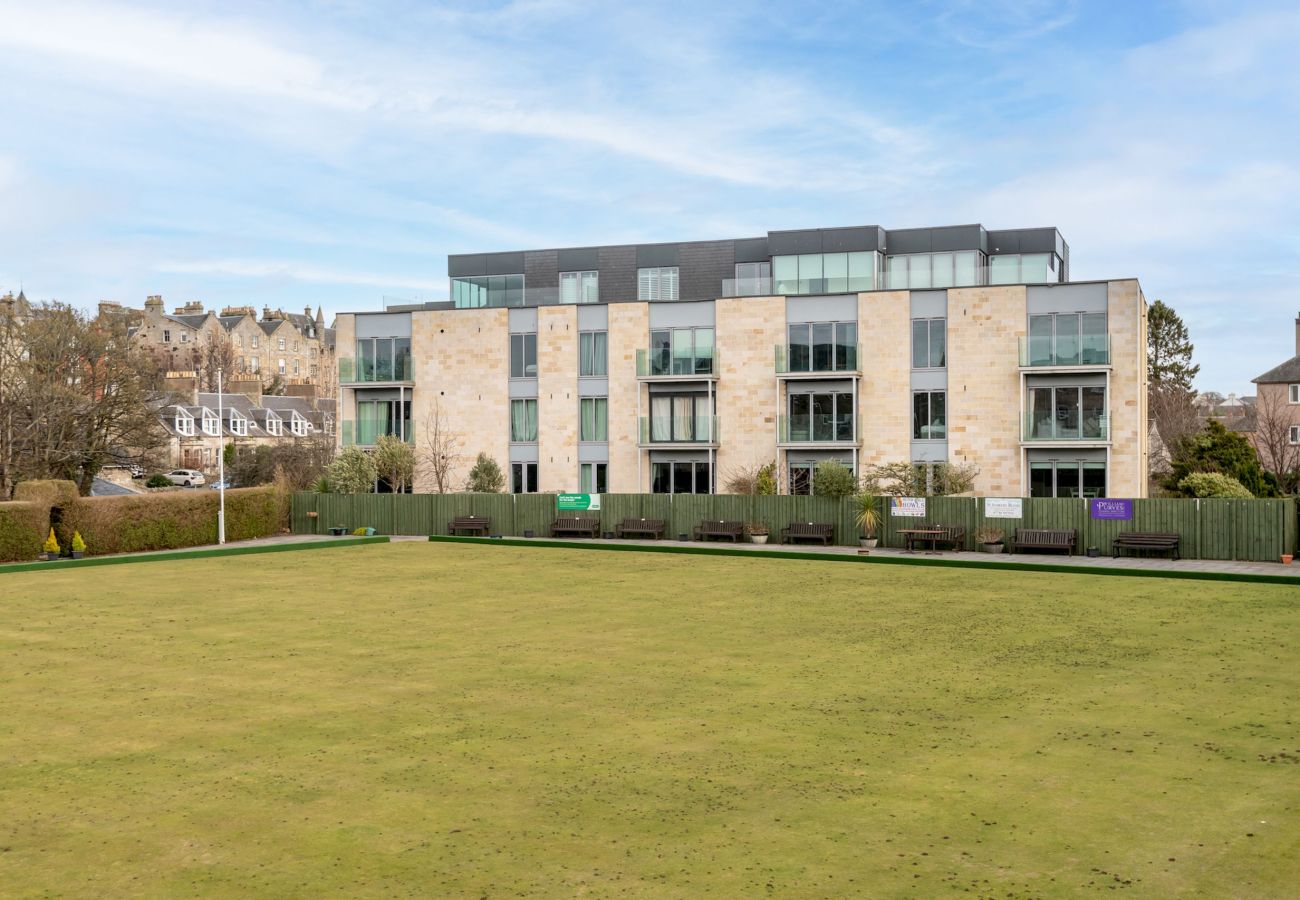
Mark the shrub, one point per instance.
(158, 481)
(21, 527)
(989, 534)
(47, 493)
(78, 545)
(173, 519)
(51, 544)
(753, 479)
(759, 528)
(1213, 484)
(833, 479)
(353, 472)
(485, 477)
(866, 513)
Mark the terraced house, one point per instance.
(662, 367)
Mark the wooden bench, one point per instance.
(1162, 541)
(575, 525)
(472, 524)
(953, 535)
(934, 535)
(1045, 539)
(732, 530)
(808, 531)
(652, 527)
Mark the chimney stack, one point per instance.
(248, 384)
(184, 385)
(1297, 336)
(153, 305)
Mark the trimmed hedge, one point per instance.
(22, 529)
(166, 521)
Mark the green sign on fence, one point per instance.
(577, 502)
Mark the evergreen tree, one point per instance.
(485, 477)
(1216, 449)
(1170, 371)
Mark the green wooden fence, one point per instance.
(1210, 529)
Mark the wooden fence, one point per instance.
(1210, 529)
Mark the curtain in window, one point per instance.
(523, 420)
(661, 419)
(593, 352)
(595, 420)
(683, 418)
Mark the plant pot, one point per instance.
(1093, 552)
(1286, 559)
(51, 557)
(609, 535)
(78, 554)
(868, 543)
(993, 548)
(758, 538)
(528, 533)
(683, 536)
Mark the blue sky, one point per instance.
(333, 152)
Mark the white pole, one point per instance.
(221, 470)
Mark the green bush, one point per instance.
(174, 519)
(48, 492)
(833, 479)
(158, 481)
(1213, 484)
(22, 529)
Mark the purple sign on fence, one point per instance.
(1105, 508)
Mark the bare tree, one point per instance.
(215, 354)
(439, 453)
(1272, 437)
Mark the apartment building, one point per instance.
(663, 367)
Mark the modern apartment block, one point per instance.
(663, 367)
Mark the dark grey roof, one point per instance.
(1287, 373)
(297, 404)
(190, 321)
(230, 323)
(102, 487)
(329, 338)
(228, 401)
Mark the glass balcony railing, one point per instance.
(1090, 350)
(821, 359)
(791, 287)
(367, 434)
(747, 287)
(374, 371)
(1047, 427)
(678, 430)
(825, 429)
(660, 363)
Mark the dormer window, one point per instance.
(274, 425)
(184, 424)
(211, 424)
(238, 424)
(300, 426)
(329, 423)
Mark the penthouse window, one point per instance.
(579, 287)
(933, 270)
(824, 273)
(659, 283)
(1068, 339)
(487, 290)
(1024, 268)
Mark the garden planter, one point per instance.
(993, 548)
(1286, 559)
(51, 557)
(1093, 552)
(868, 543)
(78, 554)
(758, 538)
(528, 533)
(683, 536)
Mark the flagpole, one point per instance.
(221, 468)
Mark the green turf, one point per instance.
(453, 720)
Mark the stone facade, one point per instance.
(461, 366)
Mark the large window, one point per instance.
(593, 353)
(824, 273)
(681, 351)
(593, 422)
(523, 420)
(820, 416)
(1293, 393)
(681, 417)
(929, 343)
(523, 478)
(376, 418)
(823, 347)
(933, 270)
(1067, 413)
(1023, 268)
(579, 287)
(753, 279)
(592, 477)
(929, 415)
(1068, 339)
(381, 359)
(487, 290)
(523, 355)
(1067, 478)
(680, 478)
(656, 283)
(1294, 433)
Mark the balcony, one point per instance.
(366, 434)
(817, 429)
(391, 371)
(1044, 352)
(677, 431)
(747, 287)
(836, 361)
(1090, 429)
(662, 365)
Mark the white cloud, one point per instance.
(297, 271)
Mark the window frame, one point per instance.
(535, 421)
(917, 428)
(930, 323)
(1293, 393)
(651, 282)
(590, 337)
(595, 403)
(598, 483)
(586, 286)
(521, 339)
(519, 472)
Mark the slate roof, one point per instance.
(190, 321)
(102, 487)
(1287, 373)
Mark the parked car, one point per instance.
(218, 485)
(185, 477)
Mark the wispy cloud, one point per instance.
(297, 271)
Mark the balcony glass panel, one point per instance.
(1095, 341)
(846, 346)
(1067, 339)
(966, 268)
(800, 348)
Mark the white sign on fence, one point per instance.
(907, 506)
(1004, 508)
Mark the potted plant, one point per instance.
(78, 545)
(866, 515)
(758, 532)
(991, 538)
(51, 546)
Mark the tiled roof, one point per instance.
(1287, 373)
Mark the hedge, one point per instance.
(47, 493)
(22, 529)
(166, 521)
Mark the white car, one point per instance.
(185, 477)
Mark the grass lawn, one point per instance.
(451, 720)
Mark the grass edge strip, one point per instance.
(170, 555)
(1047, 568)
